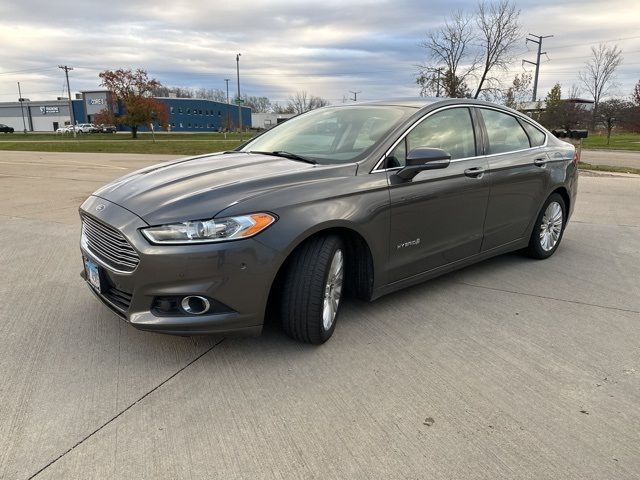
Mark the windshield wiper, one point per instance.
(289, 155)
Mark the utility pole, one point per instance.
(239, 99)
(20, 99)
(72, 116)
(537, 62)
(227, 82)
(439, 70)
(355, 95)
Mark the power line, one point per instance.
(37, 69)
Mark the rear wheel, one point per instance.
(548, 229)
(313, 289)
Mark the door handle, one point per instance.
(540, 162)
(475, 172)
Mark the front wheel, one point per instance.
(548, 229)
(313, 289)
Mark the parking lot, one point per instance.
(512, 368)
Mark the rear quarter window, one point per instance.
(536, 137)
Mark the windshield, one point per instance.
(332, 134)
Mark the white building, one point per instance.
(37, 116)
(263, 121)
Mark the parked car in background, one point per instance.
(102, 128)
(363, 199)
(64, 129)
(5, 128)
(86, 128)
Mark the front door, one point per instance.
(437, 217)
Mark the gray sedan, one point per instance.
(358, 199)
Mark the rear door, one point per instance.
(437, 217)
(519, 176)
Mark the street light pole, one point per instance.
(21, 100)
(227, 82)
(239, 101)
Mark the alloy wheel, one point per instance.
(333, 290)
(551, 226)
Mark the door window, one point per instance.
(450, 130)
(504, 132)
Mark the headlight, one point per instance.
(206, 231)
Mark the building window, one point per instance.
(180, 110)
(181, 125)
(188, 125)
(200, 112)
(188, 111)
(170, 109)
(219, 113)
(173, 125)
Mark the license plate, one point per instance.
(93, 274)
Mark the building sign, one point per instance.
(45, 110)
(97, 101)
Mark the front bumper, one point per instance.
(237, 274)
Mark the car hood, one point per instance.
(200, 187)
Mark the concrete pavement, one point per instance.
(512, 368)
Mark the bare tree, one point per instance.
(470, 48)
(302, 102)
(317, 102)
(449, 48)
(277, 108)
(597, 77)
(257, 104)
(299, 102)
(499, 30)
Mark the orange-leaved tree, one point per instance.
(132, 90)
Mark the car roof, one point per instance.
(421, 103)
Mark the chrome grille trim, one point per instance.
(108, 245)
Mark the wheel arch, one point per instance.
(564, 193)
(360, 271)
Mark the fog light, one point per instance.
(195, 305)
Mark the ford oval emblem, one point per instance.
(100, 207)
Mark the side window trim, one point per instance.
(381, 165)
(479, 132)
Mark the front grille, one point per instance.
(119, 299)
(109, 245)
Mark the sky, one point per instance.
(328, 48)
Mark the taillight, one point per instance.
(576, 157)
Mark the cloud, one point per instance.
(326, 48)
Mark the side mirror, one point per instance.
(423, 158)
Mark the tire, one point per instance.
(548, 229)
(312, 289)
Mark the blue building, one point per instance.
(185, 114)
(199, 115)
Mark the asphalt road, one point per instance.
(512, 368)
(616, 158)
